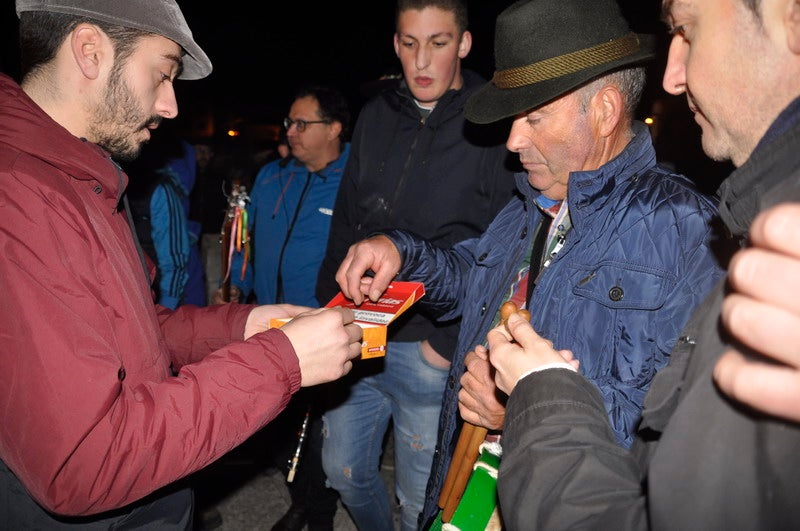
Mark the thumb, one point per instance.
(380, 282)
(521, 330)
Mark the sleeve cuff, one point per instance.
(556, 365)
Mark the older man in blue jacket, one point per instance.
(608, 251)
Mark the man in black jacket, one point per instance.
(702, 459)
(415, 164)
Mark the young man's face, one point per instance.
(430, 49)
(137, 96)
(730, 64)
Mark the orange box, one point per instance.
(374, 317)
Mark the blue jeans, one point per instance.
(409, 392)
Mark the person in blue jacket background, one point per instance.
(292, 200)
(184, 167)
(159, 200)
(289, 216)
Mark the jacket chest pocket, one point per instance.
(621, 309)
(624, 286)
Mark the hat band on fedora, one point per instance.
(567, 64)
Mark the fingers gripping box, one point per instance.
(374, 317)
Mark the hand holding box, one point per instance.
(374, 317)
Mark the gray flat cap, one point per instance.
(162, 17)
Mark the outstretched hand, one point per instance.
(515, 349)
(764, 314)
(377, 254)
(325, 340)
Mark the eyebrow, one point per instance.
(669, 6)
(439, 35)
(178, 60)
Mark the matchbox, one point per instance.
(374, 317)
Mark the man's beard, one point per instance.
(117, 118)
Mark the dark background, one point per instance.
(262, 52)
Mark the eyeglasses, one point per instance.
(301, 124)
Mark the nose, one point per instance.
(517, 140)
(167, 103)
(674, 81)
(422, 59)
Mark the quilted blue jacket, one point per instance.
(637, 261)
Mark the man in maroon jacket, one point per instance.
(106, 399)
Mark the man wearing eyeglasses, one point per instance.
(289, 215)
(415, 164)
(292, 201)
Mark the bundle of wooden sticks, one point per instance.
(468, 445)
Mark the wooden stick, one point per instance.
(458, 456)
(463, 471)
(468, 446)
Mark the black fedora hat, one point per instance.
(545, 48)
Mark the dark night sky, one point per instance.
(286, 43)
(262, 51)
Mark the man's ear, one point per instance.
(609, 107)
(465, 45)
(336, 130)
(396, 45)
(89, 47)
